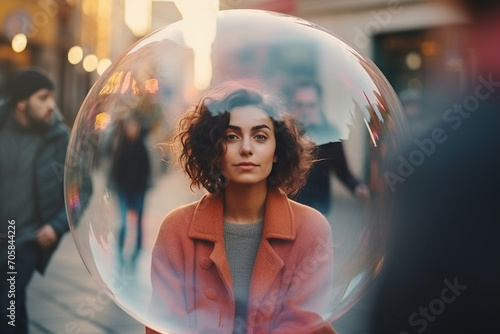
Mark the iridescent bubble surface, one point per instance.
(140, 97)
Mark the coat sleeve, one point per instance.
(338, 164)
(307, 300)
(168, 307)
(50, 189)
(50, 181)
(60, 223)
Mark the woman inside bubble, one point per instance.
(245, 258)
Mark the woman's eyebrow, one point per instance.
(262, 126)
(234, 127)
(254, 128)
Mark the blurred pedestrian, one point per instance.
(130, 177)
(305, 105)
(33, 219)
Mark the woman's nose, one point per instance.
(246, 147)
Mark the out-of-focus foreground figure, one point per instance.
(442, 273)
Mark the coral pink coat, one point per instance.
(291, 281)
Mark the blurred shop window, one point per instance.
(423, 63)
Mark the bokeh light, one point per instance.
(103, 65)
(90, 63)
(75, 54)
(19, 43)
(413, 61)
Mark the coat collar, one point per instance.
(207, 221)
(207, 224)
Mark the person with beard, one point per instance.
(33, 144)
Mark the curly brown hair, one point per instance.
(200, 145)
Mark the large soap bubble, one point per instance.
(120, 181)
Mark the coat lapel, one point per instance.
(278, 224)
(207, 224)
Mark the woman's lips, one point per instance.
(246, 166)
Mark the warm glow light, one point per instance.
(88, 7)
(430, 48)
(135, 88)
(116, 81)
(19, 43)
(103, 65)
(413, 61)
(199, 25)
(113, 84)
(101, 121)
(73, 197)
(151, 86)
(138, 16)
(75, 55)
(90, 63)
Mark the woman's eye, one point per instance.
(261, 137)
(231, 137)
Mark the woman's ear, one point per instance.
(275, 159)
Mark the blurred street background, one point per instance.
(75, 40)
(417, 44)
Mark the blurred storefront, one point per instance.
(28, 35)
(418, 44)
(74, 40)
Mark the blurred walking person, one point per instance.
(130, 176)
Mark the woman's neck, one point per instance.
(244, 204)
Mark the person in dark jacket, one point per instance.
(130, 175)
(305, 105)
(33, 144)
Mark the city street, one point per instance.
(68, 300)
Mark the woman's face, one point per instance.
(250, 146)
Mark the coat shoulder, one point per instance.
(309, 219)
(177, 221)
(171, 240)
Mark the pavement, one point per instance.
(67, 299)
